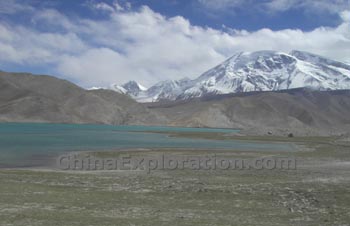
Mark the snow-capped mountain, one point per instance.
(164, 90)
(168, 90)
(253, 71)
(132, 88)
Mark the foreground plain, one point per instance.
(317, 193)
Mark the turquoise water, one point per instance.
(26, 143)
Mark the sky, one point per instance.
(98, 43)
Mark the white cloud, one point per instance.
(113, 8)
(12, 6)
(222, 4)
(320, 6)
(104, 6)
(127, 5)
(94, 66)
(333, 43)
(118, 6)
(51, 17)
(281, 5)
(146, 46)
(25, 46)
(276, 6)
(345, 15)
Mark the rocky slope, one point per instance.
(34, 98)
(302, 112)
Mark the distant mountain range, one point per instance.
(37, 98)
(249, 71)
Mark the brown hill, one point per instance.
(34, 98)
(299, 111)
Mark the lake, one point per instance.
(26, 144)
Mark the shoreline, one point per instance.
(49, 162)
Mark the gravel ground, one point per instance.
(316, 193)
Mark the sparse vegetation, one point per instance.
(317, 193)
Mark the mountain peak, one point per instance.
(305, 56)
(253, 71)
(134, 85)
(132, 88)
(317, 59)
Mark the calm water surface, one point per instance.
(27, 144)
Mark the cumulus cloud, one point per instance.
(146, 46)
(29, 47)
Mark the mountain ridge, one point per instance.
(254, 71)
(303, 112)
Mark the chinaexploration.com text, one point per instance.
(172, 162)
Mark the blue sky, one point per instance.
(97, 43)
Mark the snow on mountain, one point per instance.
(164, 90)
(252, 71)
(119, 89)
(169, 89)
(95, 88)
(132, 88)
